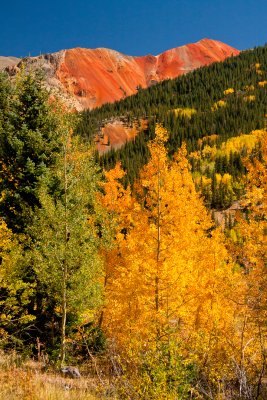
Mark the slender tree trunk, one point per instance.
(64, 269)
(158, 241)
(64, 316)
(101, 317)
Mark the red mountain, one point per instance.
(88, 78)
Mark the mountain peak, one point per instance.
(91, 77)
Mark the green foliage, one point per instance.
(48, 185)
(15, 294)
(49, 232)
(29, 144)
(86, 340)
(6, 92)
(161, 373)
(64, 252)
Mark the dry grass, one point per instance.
(27, 382)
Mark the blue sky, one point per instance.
(134, 27)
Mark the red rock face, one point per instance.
(115, 134)
(95, 77)
(87, 78)
(99, 76)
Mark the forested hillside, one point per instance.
(134, 284)
(204, 109)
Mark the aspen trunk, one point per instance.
(158, 241)
(64, 270)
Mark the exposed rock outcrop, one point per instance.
(87, 78)
(71, 372)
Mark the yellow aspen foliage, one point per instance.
(241, 142)
(218, 177)
(229, 91)
(196, 155)
(210, 138)
(256, 201)
(206, 181)
(185, 112)
(5, 238)
(226, 179)
(218, 104)
(120, 206)
(15, 292)
(209, 152)
(118, 202)
(250, 98)
(262, 83)
(199, 143)
(251, 250)
(249, 88)
(172, 277)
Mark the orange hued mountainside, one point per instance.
(88, 78)
(99, 76)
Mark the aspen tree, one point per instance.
(172, 281)
(65, 250)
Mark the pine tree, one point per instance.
(29, 144)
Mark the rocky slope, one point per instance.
(7, 62)
(88, 78)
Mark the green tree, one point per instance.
(15, 294)
(47, 187)
(65, 249)
(5, 95)
(29, 145)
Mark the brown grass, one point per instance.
(27, 382)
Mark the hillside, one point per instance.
(223, 100)
(8, 62)
(88, 78)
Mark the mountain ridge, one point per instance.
(89, 78)
(6, 61)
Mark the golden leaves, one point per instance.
(167, 275)
(229, 91)
(218, 104)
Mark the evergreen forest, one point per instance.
(204, 109)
